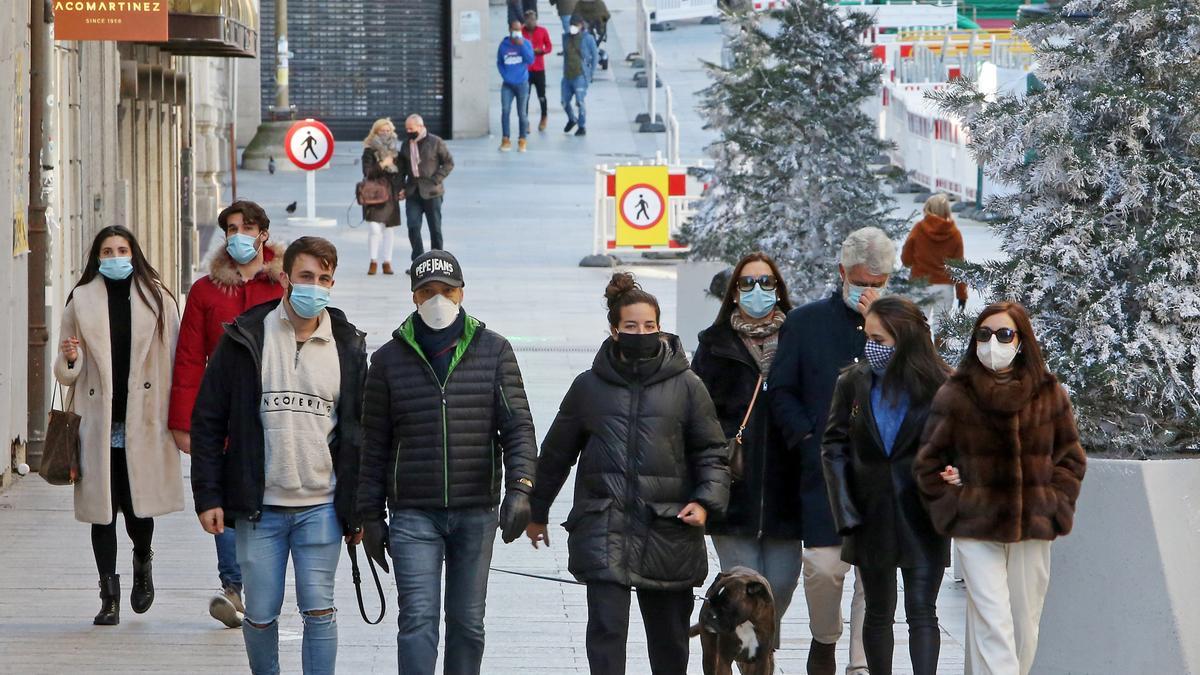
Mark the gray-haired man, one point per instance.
(424, 164)
(816, 342)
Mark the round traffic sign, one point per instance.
(309, 144)
(643, 206)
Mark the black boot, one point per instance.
(143, 584)
(822, 659)
(110, 599)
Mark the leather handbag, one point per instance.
(60, 453)
(372, 192)
(737, 455)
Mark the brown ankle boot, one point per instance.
(373, 268)
(387, 268)
(822, 658)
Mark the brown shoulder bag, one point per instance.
(737, 460)
(60, 454)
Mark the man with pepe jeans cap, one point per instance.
(446, 423)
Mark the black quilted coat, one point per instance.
(648, 441)
(430, 444)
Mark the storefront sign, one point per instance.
(111, 20)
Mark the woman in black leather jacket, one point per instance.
(875, 425)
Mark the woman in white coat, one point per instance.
(118, 345)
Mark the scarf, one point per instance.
(384, 146)
(414, 154)
(761, 337)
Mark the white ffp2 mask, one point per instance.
(438, 312)
(996, 355)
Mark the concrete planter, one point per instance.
(1125, 584)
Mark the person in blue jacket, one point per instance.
(816, 342)
(513, 60)
(579, 65)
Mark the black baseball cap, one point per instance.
(436, 266)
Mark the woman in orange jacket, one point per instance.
(934, 240)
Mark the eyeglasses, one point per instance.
(1004, 335)
(767, 282)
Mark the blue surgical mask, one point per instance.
(241, 247)
(879, 356)
(116, 269)
(308, 300)
(757, 302)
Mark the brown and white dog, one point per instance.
(737, 624)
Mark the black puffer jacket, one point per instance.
(228, 448)
(429, 445)
(647, 444)
(766, 502)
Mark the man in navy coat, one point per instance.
(817, 341)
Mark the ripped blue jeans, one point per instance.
(312, 536)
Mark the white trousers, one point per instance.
(1006, 588)
(824, 574)
(380, 234)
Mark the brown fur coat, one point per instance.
(1016, 447)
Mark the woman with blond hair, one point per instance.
(380, 150)
(934, 240)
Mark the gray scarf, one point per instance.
(761, 337)
(384, 146)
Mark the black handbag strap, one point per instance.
(354, 572)
(62, 398)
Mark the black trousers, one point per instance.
(537, 82)
(921, 586)
(667, 615)
(140, 530)
(416, 206)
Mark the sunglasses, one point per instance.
(767, 282)
(1004, 335)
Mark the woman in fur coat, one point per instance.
(1000, 468)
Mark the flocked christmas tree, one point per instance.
(1102, 235)
(793, 166)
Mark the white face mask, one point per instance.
(574, 30)
(995, 355)
(438, 312)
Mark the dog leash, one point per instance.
(559, 580)
(362, 609)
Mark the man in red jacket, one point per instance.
(241, 275)
(539, 37)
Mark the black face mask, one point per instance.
(414, 135)
(638, 346)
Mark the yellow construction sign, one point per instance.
(641, 203)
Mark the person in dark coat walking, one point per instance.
(379, 162)
(652, 468)
(879, 410)
(761, 528)
(425, 163)
(817, 341)
(445, 410)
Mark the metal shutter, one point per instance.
(358, 60)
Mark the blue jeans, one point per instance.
(227, 562)
(416, 206)
(420, 540)
(313, 537)
(519, 93)
(575, 88)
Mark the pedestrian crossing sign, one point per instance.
(642, 215)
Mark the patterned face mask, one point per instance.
(879, 356)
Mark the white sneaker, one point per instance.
(226, 606)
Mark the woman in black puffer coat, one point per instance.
(652, 468)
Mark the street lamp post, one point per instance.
(267, 143)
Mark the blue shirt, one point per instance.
(513, 61)
(889, 415)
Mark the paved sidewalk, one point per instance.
(519, 224)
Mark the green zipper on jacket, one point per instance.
(408, 333)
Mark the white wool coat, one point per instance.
(155, 478)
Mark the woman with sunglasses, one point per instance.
(118, 343)
(878, 413)
(761, 528)
(1000, 467)
(652, 468)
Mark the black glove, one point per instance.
(514, 515)
(375, 541)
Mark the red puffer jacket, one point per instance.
(213, 301)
